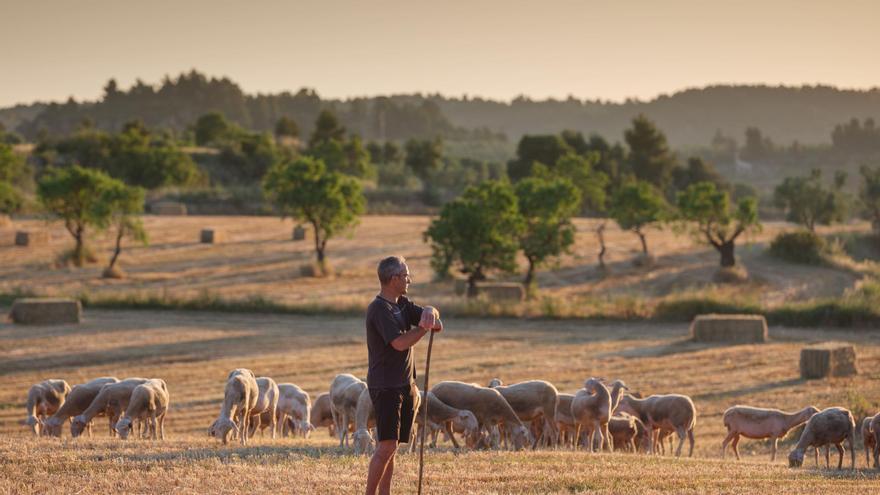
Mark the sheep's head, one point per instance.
(52, 427)
(521, 437)
(811, 411)
(796, 458)
(124, 427)
(77, 425)
(34, 423)
(466, 421)
(495, 382)
(592, 383)
(221, 429)
(306, 428)
(473, 439)
(363, 442)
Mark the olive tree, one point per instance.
(635, 206)
(126, 203)
(808, 202)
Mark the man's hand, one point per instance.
(431, 319)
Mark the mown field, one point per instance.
(193, 352)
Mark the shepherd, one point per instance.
(391, 378)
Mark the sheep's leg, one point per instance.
(690, 434)
(154, 426)
(877, 449)
(816, 454)
(451, 435)
(680, 431)
(735, 446)
(577, 437)
(775, 447)
(730, 435)
(608, 440)
(839, 455)
(274, 425)
(162, 425)
(851, 438)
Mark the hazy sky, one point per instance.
(498, 49)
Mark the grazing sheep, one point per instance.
(78, 400)
(294, 410)
(43, 400)
(239, 399)
(149, 401)
(565, 423)
(344, 393)
(624, 430)
(759, 423)
(591, 410)
(870, 431)
(321, 415)
(364, 419)
(488, 406)
(264, 413)
(827, 427)
(446, 418)
(111, 401)
(671, 412)
(534, 400)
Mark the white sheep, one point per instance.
(488, 406)
(149, 402)
(78, 400)
(672, 412)
(321, 415)
(239, 399)
(760, 423)
(534, 400)
(591, 410)
(344, 393)
(263, 415)
(874, 430)
(364, 419)
(111, 401)
(827, 427)
(43, 400)
(443, 417)
(294, 410)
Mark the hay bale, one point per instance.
(31, 238)
(213, 236)
(828, 359)
(168, 208)
(740, 329)
(299, 233)
(502, 291)
(46, 311)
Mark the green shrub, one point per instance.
(799, 247)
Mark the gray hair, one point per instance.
(389, 267)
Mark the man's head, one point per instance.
(394, 274)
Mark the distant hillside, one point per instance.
(689, 118)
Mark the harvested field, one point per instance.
(260, 259)
(194, 351)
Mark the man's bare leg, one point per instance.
(381, 467)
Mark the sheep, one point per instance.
(875, 429)
(239, 399)
(624, 431)
(446, 418)
(827, 427)
(149, 401)
(565, 423)
(868, 440)
(344, 393)
(111, 400)
(264, 413)
(321, 415)
(294, 410)
(488, 406)
(364, 419)
(43, 400)
(671, 412)
(760, 423)
(591, 410)
(79, 398)
(532, 400)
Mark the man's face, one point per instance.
(402, 280)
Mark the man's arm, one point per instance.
(430, 320)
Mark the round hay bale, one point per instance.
(171, 208)
(46, 311)
(502, 291)
(213, 236)
(31, 238)
(736, 274)
(740, 329)
(113, 272)
(299, 233)
(828, 359)
(644, 260)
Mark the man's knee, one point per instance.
(386, 449)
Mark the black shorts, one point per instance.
(395, 412)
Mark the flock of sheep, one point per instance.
(532, 413)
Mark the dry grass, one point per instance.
(193, 351)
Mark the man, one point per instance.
(392, 374)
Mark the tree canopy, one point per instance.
(808, 202)
(636, 205)
(869, 194)
(650, 158)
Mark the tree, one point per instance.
(327, 128)
(76, 195)
(424, 157)
(305, 191)
(12, 165)
(650, 159)
(808, 202)
(635, 206)
(286, 127)
(546, 207)
(125, 204)
(10, 199)
(697, 170)
(757, 146)
(478, 231)
(213, 128)
(546, 149)
(708, 210)
(869, 194)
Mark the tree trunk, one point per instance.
(118, 247)
(529, 282)
(472, 285)
(600, 233)
(79, 250)
(644, 242)
(727, 256)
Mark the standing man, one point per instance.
(392, 374)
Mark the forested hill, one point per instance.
(689, 118)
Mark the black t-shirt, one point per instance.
(390, 368)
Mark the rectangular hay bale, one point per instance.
(299, 233)
(502, 291)
(171, 208)
(213, 236)
(31, 238)
(828, 359)
(740, 329)
(46, 311)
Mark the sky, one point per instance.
(608, 50)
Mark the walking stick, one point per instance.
(424, 429)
